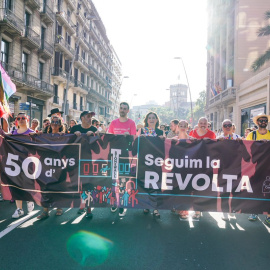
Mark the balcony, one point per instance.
(80, 62)
(31, 38)
(80, 87)
(63, 46)
(71, 4)
(47, 15)
(83, 42)
(93, 70)
(66, 21)
(56, 100)
(10, 23)
(94, 34)
(96, 95)
(27, 82)
(46, 50)
(226, 96)
(109, 85)
(61, 75)
(80, 17)
(34, 4)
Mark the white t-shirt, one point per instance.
(229, 137)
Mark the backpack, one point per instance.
(254, 135)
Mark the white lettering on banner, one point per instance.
(152, 179)
(14, 169)
(37, 168)
(25, 166)
(197, 178)
(166, 181)
(182, 186)
(244, 184)
(215, 186)
(148, 160)
(186, 162)
(229, 179)
(59, 162)
(115, 162)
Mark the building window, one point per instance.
(74, 101)
(40, 70)
(27, 19)
(4, 51)
(24, 62)
(65, 94)
(8, 4)
(82, 78)
(55, 91)
(81, 103)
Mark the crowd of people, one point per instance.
(178, 130)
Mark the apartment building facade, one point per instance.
(58, 55)
(116, 84)
(233, 90)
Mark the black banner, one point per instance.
(136, 172)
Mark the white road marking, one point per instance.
(17, 223)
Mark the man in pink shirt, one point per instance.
(122, 126)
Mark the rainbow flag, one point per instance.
(213, 91)
(8, 87)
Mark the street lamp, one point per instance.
(88, 18)
(117, 94)
(180, 58)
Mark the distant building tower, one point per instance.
(178, 95)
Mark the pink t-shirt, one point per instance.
(117, 127)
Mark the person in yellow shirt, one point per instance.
(261, 134)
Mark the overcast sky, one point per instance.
(147, 35)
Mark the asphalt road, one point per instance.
(136, 241)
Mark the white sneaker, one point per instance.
(113, 209)
(30, 206)
(122, 212)
(18, 213)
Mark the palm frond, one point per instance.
(259, 62)
(264, 31)
(267, 15)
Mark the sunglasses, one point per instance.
(263, 120)
(19, 118)
(183, 126)
(55, 122)
(34, 122)
(227, 125)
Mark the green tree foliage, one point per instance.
(198, 110)
(165, 114)
(263, 31)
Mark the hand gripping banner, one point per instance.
(136, 172)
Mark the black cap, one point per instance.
(53, 111)
(86, 112)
